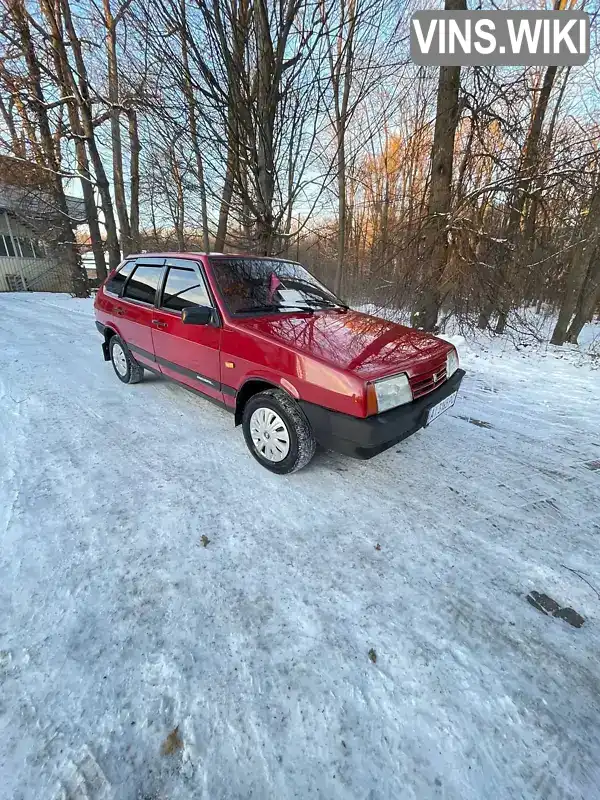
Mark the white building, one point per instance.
(28, 259)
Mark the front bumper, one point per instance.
(365, 437)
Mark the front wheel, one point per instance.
(277, 432)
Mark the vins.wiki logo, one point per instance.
(502, 38)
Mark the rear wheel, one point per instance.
(126, 367)
(277, 432)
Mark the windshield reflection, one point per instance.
(254, 285)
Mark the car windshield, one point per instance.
(255, 285)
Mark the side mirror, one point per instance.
(197, 315)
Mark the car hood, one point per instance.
(368, 346)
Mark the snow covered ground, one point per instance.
(117, 625)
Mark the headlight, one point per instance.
(391, 392)
(451, 363)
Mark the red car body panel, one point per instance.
(323, 358)
(132, 321)
(330, 355)
(365, 346)
(195, 348)
(257, 355)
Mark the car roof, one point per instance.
(168, 254)
(193, 253)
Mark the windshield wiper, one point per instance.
(312, 289)
(327, 304)
(275, 307)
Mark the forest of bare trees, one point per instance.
(301, 128)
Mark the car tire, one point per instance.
(124, 364)
(277, 432)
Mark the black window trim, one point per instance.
(144, 262)
(190, 266)
(190, 263)
(118, 269)
(198, 267)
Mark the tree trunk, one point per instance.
(385, 219)
(179, 212)
(81, 91)
(440, 193)
(341, 182)
(240, 134)
(65, 238)
(521, 198)
(134, 180)
(531, 150)
(581, 259)
(266, 94)
(188, 93)
(28, 133)
(483, 320)
(202, 186)
(91, 211)
(115, 129)
(16, 144)
(531, 218)
(61, 65)
(341, 78)
(507, 295)
(227, 185)
(588, 300)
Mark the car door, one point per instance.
(187, 353)
(135, 308)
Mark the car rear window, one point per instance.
(143, 284)
(115, 283)
(184, 289)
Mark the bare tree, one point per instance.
(61, 64)
(440, 193)
(65, 238)
(114, 110)
(79, 84)
(188, 93)
(582, 277)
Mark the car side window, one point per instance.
(143, 284)
(115, 284)
(184, 288)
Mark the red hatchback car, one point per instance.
(265, 339)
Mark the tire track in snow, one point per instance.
(83, 779)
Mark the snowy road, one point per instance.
(117, 625)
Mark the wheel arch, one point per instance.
(252, 386)
(109, 332)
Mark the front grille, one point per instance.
(426, 382)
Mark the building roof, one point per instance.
(25, 190)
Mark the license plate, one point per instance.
(444, 405)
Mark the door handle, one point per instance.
(159, 323)
(120, 311)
